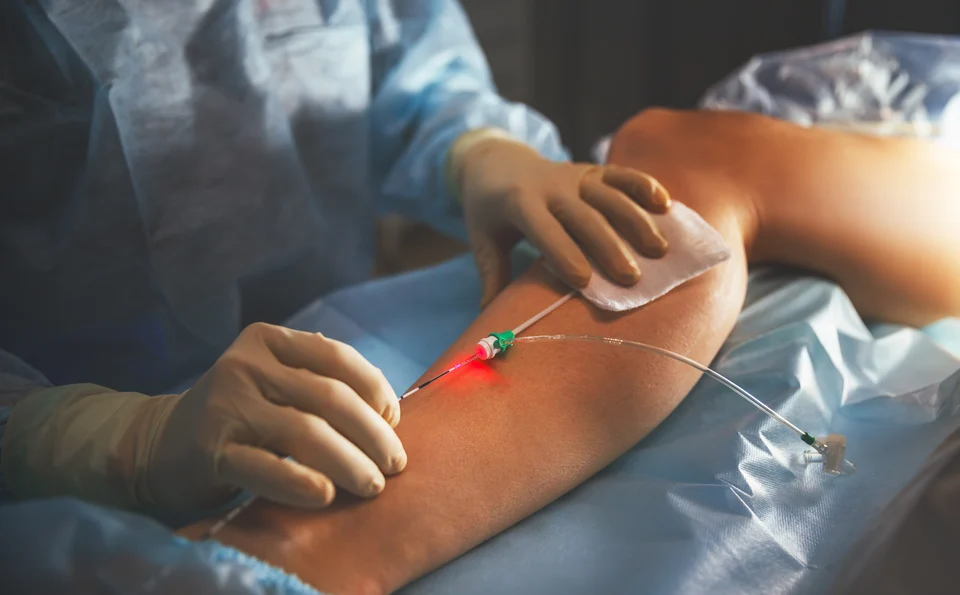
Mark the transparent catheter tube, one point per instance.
(676, 356)
(830, 451)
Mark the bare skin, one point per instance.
(878, 216)
(495, 446)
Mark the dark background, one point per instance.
(590, 64)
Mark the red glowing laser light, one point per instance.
(452, 368)
(477, 369)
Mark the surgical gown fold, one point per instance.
(174, 170)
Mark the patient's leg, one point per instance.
(492, 446)
(880, 216)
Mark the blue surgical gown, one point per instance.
(173, 170)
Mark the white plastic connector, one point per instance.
(833, 458)
(830, 453)
(487, 348)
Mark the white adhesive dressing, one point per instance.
(694, 248)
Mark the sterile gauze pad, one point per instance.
(693, 248)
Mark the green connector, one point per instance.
(808, 438)
(503, 340)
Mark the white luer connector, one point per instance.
(830, 452)
(833, 459)
(487, 348)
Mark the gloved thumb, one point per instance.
(493, 264)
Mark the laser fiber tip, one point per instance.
(487, 348)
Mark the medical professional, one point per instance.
(172, 171)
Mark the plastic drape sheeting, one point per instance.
(891, 84)
(51, 547)
(912, 547)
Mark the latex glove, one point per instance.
(509, 191)
(274, 392)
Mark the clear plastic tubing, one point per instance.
(675, 356)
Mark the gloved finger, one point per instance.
(543, 230)
(641, 187)
(313, 442)
(274, 478)
(345, 410)
(327, 357)
(630, 220)
(493, 265)
(601, 241)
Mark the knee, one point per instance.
(689, 153)
(673, 141)
(705, 136)
(649, 126)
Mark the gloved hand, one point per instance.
(509, 191)
(273, 392)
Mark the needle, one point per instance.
(437, 377)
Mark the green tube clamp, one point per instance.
(503, 340)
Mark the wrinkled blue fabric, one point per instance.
(171, 170)
(49, 547)
(715, 500)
